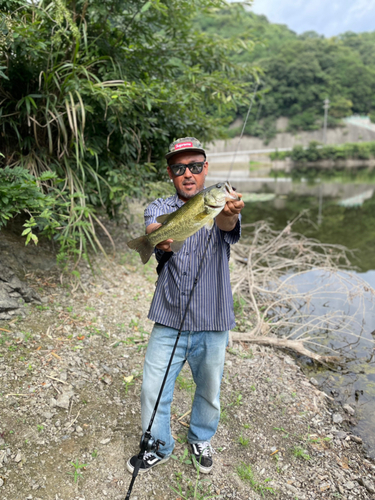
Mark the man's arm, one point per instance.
(228, 217)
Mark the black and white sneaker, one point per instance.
(149, 461)
(201, 454)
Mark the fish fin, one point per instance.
(162, 218)
(177, 245)
(143, 246)
(209, 224)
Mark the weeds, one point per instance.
(184, 458)
(246, 474)
(243, 441)
(299, 452)
(77, 467)
(197, 489)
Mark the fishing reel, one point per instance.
(148, 444)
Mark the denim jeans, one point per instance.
(205, 353)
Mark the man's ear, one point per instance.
(170, 172)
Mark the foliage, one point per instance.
(317, 152)
(246, 473)
(300, 71)
(95, 91)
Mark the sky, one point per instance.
(326, 17)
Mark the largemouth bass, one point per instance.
(197, 212)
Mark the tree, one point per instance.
(96, 90)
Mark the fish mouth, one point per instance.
(214, 206)
(230, 194)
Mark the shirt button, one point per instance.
(182, 293)
(187, 253)
(184, 273)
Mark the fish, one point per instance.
(197, 212)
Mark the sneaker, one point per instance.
(149, 461)
(201, 454)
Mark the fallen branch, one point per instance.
(295, 345)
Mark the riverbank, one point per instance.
(71, 374)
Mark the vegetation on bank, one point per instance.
(317, 152)
(299, 71)
(92, 94)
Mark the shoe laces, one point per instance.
(148, 455)
(204, 448)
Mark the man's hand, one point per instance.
(228, 217)
(163, 245)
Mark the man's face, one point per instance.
(187, 185)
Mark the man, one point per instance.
(210, 316)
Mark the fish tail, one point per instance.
(143, 246)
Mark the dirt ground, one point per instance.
(70, 379)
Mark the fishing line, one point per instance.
(243, 128)
(147, 442)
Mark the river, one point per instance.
(341, 208)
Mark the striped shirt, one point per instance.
(211, 307)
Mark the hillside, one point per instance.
(299, 71)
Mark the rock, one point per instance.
(313, 381)
(367, 483)
(349, 485)
(13, 292)
(356, 439)
(105, 441)
(2, 456)
(79, 428)
(1, 482)
(341, 435)
(337, 418)
(18, 457)
(63, 399)
(349, 409)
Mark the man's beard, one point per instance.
(190, 194)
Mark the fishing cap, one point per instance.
(185, 144)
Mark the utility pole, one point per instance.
(325, 107)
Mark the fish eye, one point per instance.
(219, 186)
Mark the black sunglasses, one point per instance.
(195, 167)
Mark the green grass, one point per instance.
(243, 441)
(77, 467)
(299, 452)
(246, 474)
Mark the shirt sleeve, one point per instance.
(155, 209)
(233, 236)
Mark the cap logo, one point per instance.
(183, 145)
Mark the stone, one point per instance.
(367, 483)
(314, 381)
(356, 439)
(105, 441)
(349, 409)
(349, 485)
(337, 418)
(63, 399)
(1, 482)
(18, 457)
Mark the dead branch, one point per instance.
(295, 345)
(282, 280)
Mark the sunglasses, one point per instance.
(195, 167)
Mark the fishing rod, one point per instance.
(243, 128)
(148, 443)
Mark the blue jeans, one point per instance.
(205, 353)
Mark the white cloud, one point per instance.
(325, 17)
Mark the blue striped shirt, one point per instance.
(211, 307)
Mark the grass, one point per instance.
(77, 467)
(299, 452)
(243, 441)
(200, 490)
(246, 474)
